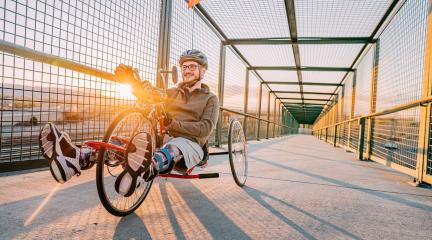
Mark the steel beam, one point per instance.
(305, 40)
(304, 68)
(318, 93)
(304, 83)
(292, 23)
(291, 104)
(306, 99)
(222, 61)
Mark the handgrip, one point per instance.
(208, 175)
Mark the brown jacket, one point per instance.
(194, 114)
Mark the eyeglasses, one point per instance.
(191, 67)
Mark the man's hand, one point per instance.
(126, 74)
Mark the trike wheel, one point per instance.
(110, 163)
(237, 151)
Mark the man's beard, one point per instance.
(190, 83)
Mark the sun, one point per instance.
(125, 91)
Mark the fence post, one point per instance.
(335, 136)
(370, 121)
(222, 59)
(326, 134)
(351, 116)
(268, 115)
(246, 101)
(274, 117)
(342, 114)
(259, 110)
(279, 119)
(362, 122)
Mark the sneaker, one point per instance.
(62, 154)
(138, 155)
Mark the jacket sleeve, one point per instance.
(202, 128)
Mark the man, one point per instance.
(193, 111)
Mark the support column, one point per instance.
(361, 137)
(351, 116)
(222, 59)
(342, 107)
(246, 101)
(259, 111)
(335, 136)
(370, 121)
(279, 119)
(425, 110)
(268, 115)
(274, 117)
(164, 40)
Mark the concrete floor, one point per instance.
(298, 188)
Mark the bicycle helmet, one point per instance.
(194, 55)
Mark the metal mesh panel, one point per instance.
(284, 87)
(234, 85)
(395, 137)
(288, 95)
(340, 106)
(363, 85)
(204, 39)
(400, 79)
(264, 112)
(354, 135)
(331, 55)
(254, 83)
(226, 119)
(322, 77)
(98, 34)
(249, 18)
(278, 76)
(348, 96)
(251, 128)
(347, 107)
(316, 96)
(429, 154)
(334, 18)
(345, 134)
(272, 116)
(401, 56)
(258, 55)
(308, 88)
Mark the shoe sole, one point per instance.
(46, 141)
(57, 168)
(137, 168)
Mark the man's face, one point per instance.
(191, 71)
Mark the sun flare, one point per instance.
(125, 91)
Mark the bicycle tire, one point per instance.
(103, 166)
(237, 152)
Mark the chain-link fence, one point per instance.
(100, 35)
(385, 105)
